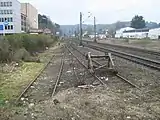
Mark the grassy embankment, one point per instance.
(29, 51)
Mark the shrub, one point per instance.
(21, 46)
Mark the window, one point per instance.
(5, 11)
(1, 4)
(10, 3)
(11, 12)
(8, 19)
(1, 12)
(5, 4)
(11, 19)
(9, 27)
(5, 27)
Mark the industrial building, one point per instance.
(129, 32)
(10, 16)
(31, 14)
(136, 33)
(154, 33)
(119, 33)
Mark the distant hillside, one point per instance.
(70, 29)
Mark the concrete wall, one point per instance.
(32, 15)
(139, 35)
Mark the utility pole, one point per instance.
(95, 36)
(78, 32)
(81, 29)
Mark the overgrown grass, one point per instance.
(13, 82)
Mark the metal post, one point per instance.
(81, 29)
(78, 32)
(95, 30)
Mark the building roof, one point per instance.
(126, 29)
(136, 30)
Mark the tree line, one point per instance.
(139, 22)
(45, 22)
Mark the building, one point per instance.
(136, 33)
(154, 33)
(119, 33)
(31, 14)
(129, 32)
(10, 13)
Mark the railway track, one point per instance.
(131, 50)
(59, 76)
(48, 88)
(134, 58)
(118, 75)
(80, 62)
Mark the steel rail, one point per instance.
(35, 78)
(59, 75)
(85, 67)
(118, 75)
(153, 52)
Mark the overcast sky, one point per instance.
(106, 11)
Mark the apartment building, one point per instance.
(31, 14)
(10, 12)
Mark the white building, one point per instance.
(119, 33)
(136, 33)
(10, 11)
(154, 33)
(129, 32)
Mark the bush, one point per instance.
(21, 46)
(21, 54)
